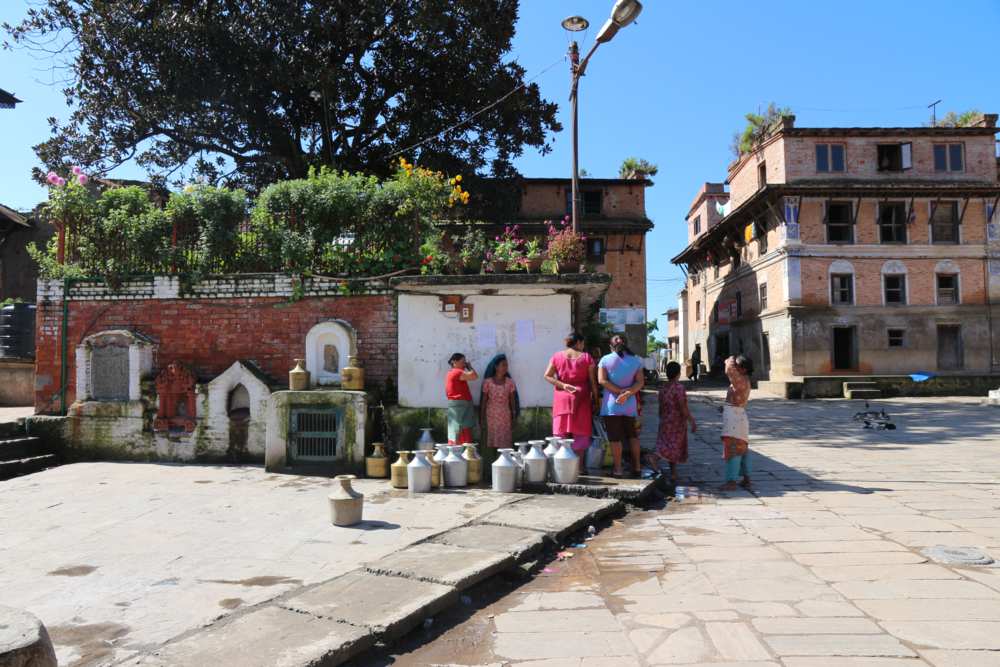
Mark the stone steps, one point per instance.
(862, 390)
(22, 454)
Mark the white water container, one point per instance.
(456, 469)
(535, 463)
(566, 464)
(504, 472)
(418, 472)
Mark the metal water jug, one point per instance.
(535, 464)
(397, 471)
(565, 464)
(456, 469)
(568, 442)
(475, 464)
(426, 440)
(504, 472)
(550, 450)
(418, 472)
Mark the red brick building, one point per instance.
(850, 251)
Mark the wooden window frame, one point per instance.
(836, 290)
(901, 337)
(956, 289)
(949, 167)
(955, 222)
(762, 291)
(827, 149)
(895, 225)
(901, 289)
(849, 225)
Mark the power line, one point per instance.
(477, 113)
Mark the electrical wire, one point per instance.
(477, 113)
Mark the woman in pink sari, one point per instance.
(573, 373)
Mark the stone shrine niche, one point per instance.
(111, 364)
(175, 391)
(237, 402)
(328, 346)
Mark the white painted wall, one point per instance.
(427, 337)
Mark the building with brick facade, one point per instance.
(845, 252)
(612, 214)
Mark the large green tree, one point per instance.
(250, 91)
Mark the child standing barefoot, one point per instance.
(672, 438)
(735, 425)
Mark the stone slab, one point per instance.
(543, 645)
(23, 640)
(735, 641)
(854, 662)
(556, 516)
(554, 621)
(936, 610)
(387, 606)
(459, 567)
(518, 542)
(838, 645)
(916, 589)
(945, 658)
(267, 637)
(977, 635)
(816, 626)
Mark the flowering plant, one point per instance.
(565, 245)
(533, 249)
(508, 251)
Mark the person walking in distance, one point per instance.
(735, 425)
(695, 362)
(675, 418)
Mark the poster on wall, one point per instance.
(618, 318)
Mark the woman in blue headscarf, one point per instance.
(499, 405)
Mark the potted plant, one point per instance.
(533, 256)
(472, 249)
(507, 252)
(567, 248)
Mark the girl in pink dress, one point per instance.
(675, 418)
(498, 406)
(573, 373)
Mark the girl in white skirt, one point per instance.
(735, 425)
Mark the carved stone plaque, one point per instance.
(109, 373)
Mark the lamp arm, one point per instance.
(586, 59)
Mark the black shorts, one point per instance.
(619, 428)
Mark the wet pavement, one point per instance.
(822, 565)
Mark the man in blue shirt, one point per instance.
(620, 373)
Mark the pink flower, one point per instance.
(82, 178)
(52, 177)
(77, 170)
(60, 181)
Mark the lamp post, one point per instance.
(623, 13)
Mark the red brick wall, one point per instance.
(210, 334)
(625, 260)
(548, 200)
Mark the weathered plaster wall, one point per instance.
(427, 337)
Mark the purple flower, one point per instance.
(82, 178)
(77, 170)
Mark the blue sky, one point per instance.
(674, 87)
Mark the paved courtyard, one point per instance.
(117, 558)
(821, 566)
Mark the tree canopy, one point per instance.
(251, 92)
(635, 168)
(963, 119)
(758, 128)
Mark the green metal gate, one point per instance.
(312, 434)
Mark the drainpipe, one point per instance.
(64, 345)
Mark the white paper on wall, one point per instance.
(486, 336)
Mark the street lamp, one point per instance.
(623, 13)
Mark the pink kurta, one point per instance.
(499, 426)
(571, 413)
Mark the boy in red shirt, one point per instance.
(461, 412)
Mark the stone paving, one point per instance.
(117, 558)
(820, 566)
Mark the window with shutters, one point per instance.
(895, 157)
(892, 222)
(839, 222)
(697, 311)
(944, 222)
(895, 289)
(761, 175)
(830, 158)
(842, 289)
(763, 297)
(697, 225)
(949, 157)
(947, 289)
